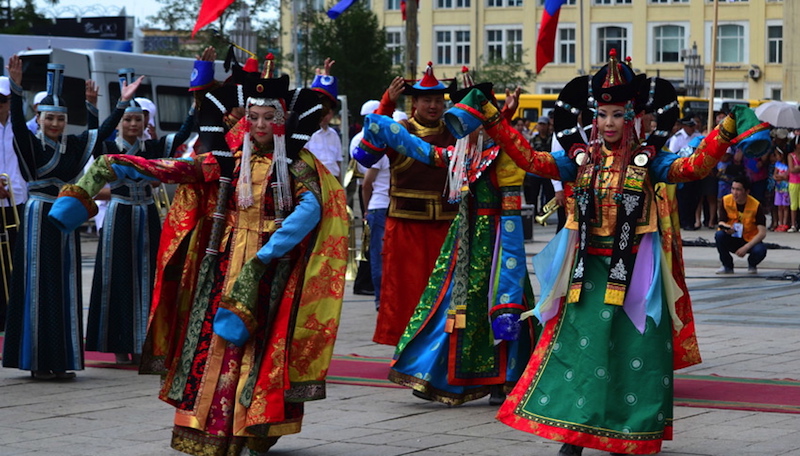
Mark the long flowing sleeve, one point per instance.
(705, 158)
(381, 132)
(235, 319)
(168, 144)
(554, 165)
(75, 204)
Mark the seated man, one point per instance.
(742, 228)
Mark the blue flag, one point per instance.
(340, 8)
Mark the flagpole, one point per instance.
(411, 43)
(713, 66)
(583, 42)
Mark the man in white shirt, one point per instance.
(15, 182)
(688, 193)
(326, 145)
(681, 139)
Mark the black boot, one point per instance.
(422, 395)
(570, 450)
(496, 395)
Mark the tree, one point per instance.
(506, 73)
(23, 17)
(357, 42)
(182, 14)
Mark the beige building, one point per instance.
(656, 34)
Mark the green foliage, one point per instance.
(506, 73)
(357, 42)
(24, 16)
(182, 14)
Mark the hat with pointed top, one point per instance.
(616, 82)
(468, 84)
(429, 85)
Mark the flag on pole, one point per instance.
(546, 41)
(340, 8)
(403, 8)
(210, 10)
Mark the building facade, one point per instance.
(659, 35)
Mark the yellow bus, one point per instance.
(532, 105)
(699, 106)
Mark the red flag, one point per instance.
(403, 8)
(210, 10)
(546, 41)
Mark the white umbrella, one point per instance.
(779, 115)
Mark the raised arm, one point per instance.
(26, 145)
(92, 113)
(475, 107)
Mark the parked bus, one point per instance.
(699, 106)
(532, 105)
(166, 82)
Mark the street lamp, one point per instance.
(694, 73)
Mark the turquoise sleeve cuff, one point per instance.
(461, 122)
(68, 213)
(230, 327)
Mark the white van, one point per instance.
(166, 82)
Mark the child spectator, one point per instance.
(781, 177)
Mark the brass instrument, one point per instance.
(352, 251)
(161, 199)
(5, 239)
(547, 210)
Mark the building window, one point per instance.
(668, 42)
(452, 47)
(613, 2)
(730, 43)
(729, 93)
(392, 4)
(669, 1)
(502, 3)
(775, 94)
(566, 45)
(395, 45)
(567, 2)
(504, 44)
(452, 3)
(609, 38)
(775, 44)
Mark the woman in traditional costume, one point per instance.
(44, 330)
(464, 340)
(614, 304)
(256, 341)
(126, 253)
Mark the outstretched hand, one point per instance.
(209, 54)
(396, 88)
(326, 70)
(129, 90)
(512, 99)
(91, 92)
(14, 68)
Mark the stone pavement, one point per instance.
(748, 326)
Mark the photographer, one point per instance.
(742, 228)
